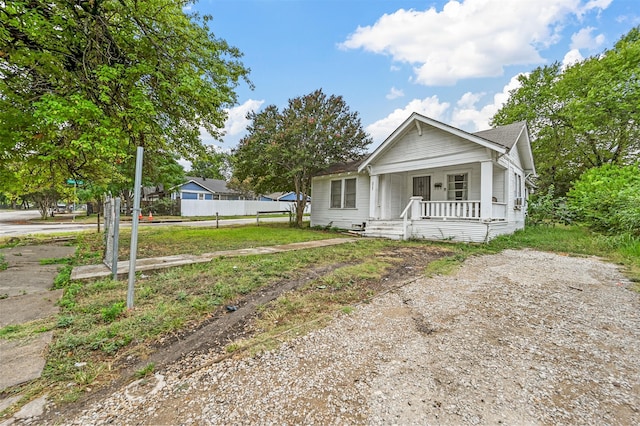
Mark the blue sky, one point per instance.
(453, 61)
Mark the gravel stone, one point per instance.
(520, 337)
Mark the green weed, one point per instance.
(146, 370)
(110, 313)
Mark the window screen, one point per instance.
(350, 193)
(336, 194)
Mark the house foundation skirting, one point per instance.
(441, 230)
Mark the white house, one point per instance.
(429, 180)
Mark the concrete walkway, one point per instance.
(155, 263)
(25, 296)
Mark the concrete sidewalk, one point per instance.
(155, 263)
(26, 295)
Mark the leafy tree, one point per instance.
(212, 164)
(83, 83)
(544, 208)
(284, 149)
(581, 117)
(607, 199)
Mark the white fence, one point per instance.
(233, 207)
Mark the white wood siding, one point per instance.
(321, 212)
(499, 177)
(435, 148)
(515, 156)
(463, 231)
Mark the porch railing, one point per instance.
(446, 210)
(450, 209)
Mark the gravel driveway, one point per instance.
(521, 337)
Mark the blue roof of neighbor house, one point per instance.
(215, 186)
(289, 196)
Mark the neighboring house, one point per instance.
(429, 180)
(205, 189)
(281, 196)
(153, 193)
(271, 197)
(291, 196)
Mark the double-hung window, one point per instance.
(457, 186)
(343, 194)
(517, 191)
(336, 194)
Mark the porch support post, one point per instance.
(374, 210)
(416, 208)
(486, 190)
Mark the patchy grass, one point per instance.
(445, 266)
(94, 332)
(65, 237)
(55, 261)
(171, 240)
(312, 306)
(3, 263)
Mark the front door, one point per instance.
(422, 187)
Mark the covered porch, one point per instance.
(468, 191)
(465, 202)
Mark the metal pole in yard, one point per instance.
(134, 227)
(116, 236)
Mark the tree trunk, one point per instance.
(301, 203)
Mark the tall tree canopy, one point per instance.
(212, 164)
(284, 149)
(583, 116)
(82, 83)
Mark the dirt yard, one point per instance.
(521, 337)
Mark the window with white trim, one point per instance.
(343, 194)
(457, 186)
(349, 193)
(517, 191)
(518, 186)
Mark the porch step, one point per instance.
(393, 230)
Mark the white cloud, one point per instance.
(186, 164)
(469, 99)
(471, 38)
(430, 107)
(237, 121)
(572, 57)
(593, 4)
(235, 125)
(584, 40)
(471, 118)
(395, 93)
